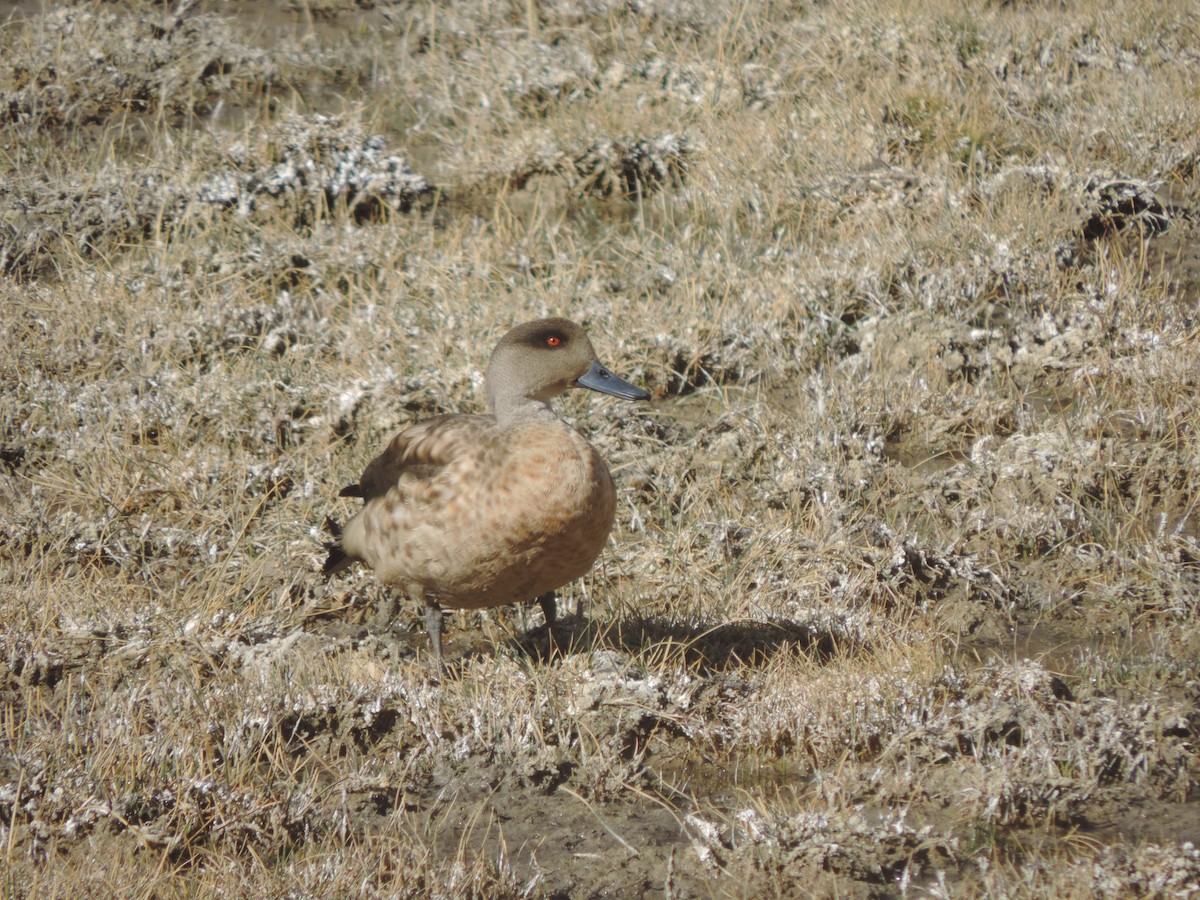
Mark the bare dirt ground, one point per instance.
(902, 598)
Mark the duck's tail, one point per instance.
(338, 559)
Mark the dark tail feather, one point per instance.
(351, 490)
(337, 560)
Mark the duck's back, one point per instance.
(476, 515)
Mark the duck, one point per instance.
(474, 511)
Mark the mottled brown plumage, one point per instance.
(474, 511)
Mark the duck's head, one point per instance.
(540, 359)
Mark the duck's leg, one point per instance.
(549, 609)
(433, 624)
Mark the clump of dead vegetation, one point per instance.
(77, 66)
(902, 594)
(307, 168)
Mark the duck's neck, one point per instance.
(508, 409)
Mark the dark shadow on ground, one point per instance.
(702, 646)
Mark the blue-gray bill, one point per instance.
(598, 378)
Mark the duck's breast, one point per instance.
(527, 510)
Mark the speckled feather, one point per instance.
(474, 511)
(475, 516)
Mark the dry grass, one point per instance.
(903, 593)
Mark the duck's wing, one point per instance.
(420, 451)
(413, 459)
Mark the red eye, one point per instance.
(553, 341)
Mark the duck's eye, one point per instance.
(553, 341)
